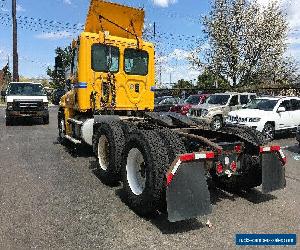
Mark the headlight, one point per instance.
(204, 112)
(45, 105)
(256, 119)
(9, 105)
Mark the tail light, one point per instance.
(238, 148)
(233, 166)
(219, 168)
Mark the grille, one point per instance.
(28, 105)
(196, 112)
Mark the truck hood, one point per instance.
(11, 98)
(209, 107)
(252, 113)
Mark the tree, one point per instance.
(246, 41)
(58, 74)
(209, 80)
(183, 84)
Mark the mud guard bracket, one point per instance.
(188, 195)
(273, 172)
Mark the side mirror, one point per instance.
(281, 109)
(3, 93)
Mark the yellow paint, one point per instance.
(79, 100)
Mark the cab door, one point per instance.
(284, 119)
(295, 112)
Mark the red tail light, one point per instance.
(233, 166)
(238, 148)
(169, 178)
(219, 168)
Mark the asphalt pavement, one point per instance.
(51, 197)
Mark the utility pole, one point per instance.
(15, 42)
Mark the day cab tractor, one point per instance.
(163, 159)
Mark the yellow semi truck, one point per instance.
(162, 159)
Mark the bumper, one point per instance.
(205, 119)
(255, 125)
(13, 113)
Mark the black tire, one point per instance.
(46, 119)
(269, 131)
(216, 123)
(155, 155)
(110, 135)
(173, 143)
(61, 126)
(250, 178)
(8, 121)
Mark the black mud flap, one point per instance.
(188, 195)
(273, 172)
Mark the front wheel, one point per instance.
(217, 123)
(269, 131)
(61, 127)
(145, 160)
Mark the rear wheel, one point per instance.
(46, 119)
(217, 123)
(269, 131)
(108, 144)
(8, 121)
(145, 163)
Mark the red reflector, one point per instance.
(187, 157)
(275, 148)
(169, 178)
(238, 148)
(219, 168)
(210, 155)
(284, 160)
(233, 166)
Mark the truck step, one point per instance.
(77, 122)
(72, 139)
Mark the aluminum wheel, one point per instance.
(216, 123)
(269, 131)
(136, 171)
(103, 152)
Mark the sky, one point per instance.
(47, 24)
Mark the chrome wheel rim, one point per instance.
(103, 152)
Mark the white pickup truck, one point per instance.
(268, 115)
(26, 99)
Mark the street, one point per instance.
(51, 197)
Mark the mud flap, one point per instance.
(187, 194)
(273, 172)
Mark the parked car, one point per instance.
(268, 114)
(56, 96)
(165, 104)
(298, 135)
(183, 107)
(158, 99)
(217, 106)
(26, 99)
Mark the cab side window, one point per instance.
(244, 99)
(234, 100)
(287, 105)
(295, 104)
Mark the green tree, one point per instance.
(209, 80)
(183, 84)
(58, 74)
(246, 42)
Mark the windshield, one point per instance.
(262, 104)
(193, 99)
(26, 89)
(218, 99)
(136, 62)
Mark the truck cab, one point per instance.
(26, 99)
